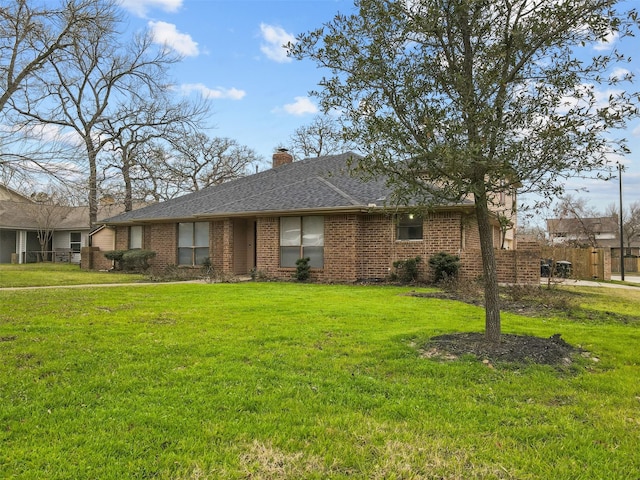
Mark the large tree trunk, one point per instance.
(126, 175)
(93, 181)
(491, 293)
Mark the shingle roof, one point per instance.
(306, 185)
(23, 215)
(581, 225)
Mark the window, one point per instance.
(302, 237)
(193, 243)
(75, 241)
(135, 237)
(409, 227)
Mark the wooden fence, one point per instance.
(631, 264)
(586, 263)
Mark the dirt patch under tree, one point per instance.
(519, 349)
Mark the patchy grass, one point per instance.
(57, 274)
(287, 380)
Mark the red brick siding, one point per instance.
(162, 238)
(376, 247)
(357, 247)
(92, 258)
(216, 245)
(122, 238)
(513, 266)
(268, 247)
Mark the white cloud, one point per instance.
(210, 93)
(636, 131)
(167, 34)
(47, 133)
(275, 38)
(607, 42)
(301, 106)
(141, 7)
(619, 74)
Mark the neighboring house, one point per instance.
(593, 232)
(21, 223)
(311, 208)
(598, 232)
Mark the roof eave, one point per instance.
(369, 209)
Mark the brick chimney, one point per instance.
(281, 157)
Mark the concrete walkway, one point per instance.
(634, 280)
(570, 282)
(94, 285)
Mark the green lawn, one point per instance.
(287, 380)
(45, 274)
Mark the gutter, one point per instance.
(358, 209)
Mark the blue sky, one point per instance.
(233, 55)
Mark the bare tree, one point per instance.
(630, 222)
(151, 176)
(47, 211)
(31, 33)
(323, 136)
(90, 78)
(161, 170)
(141, 122)
(576, 222)
(201, 161)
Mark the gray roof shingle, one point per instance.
(310, 184)
(313, 184)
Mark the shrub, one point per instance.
(115, 256)
(302, 269)
(407, 270)
(258, 275)
(137, 260)
(444, 266)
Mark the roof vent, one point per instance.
(281, 157)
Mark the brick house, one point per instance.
(310, 208)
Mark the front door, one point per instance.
(244, 246)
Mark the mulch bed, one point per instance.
(519, 349)
(511, 348)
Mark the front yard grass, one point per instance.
(56, 274)
(287, 380)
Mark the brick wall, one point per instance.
(267, 248)
(216, 245)
(375, 247)
(512, 266)
(357, 247)
(122, 238)
(162, 238)
(92, 258)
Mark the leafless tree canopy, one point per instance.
(102, 94)
(161, 169)
(31, 33)
(323, 136)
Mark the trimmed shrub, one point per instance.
(444, 266)
(137, 260)
(302, 269)
(115, 256)
(407, 270)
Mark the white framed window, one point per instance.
(193, 243)
(409, 227)
(302, 237)
(75, 241)
(135, 237)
